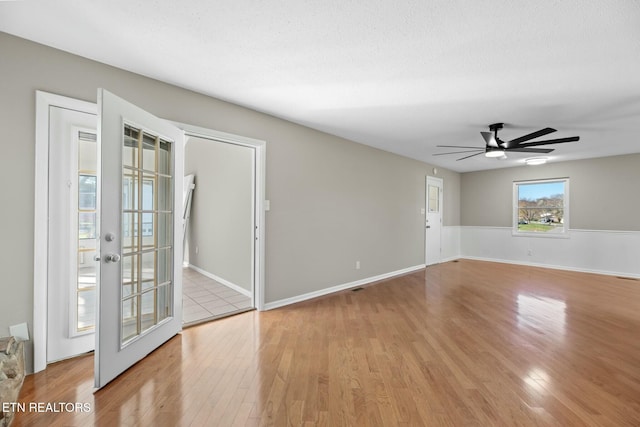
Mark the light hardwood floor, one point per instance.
(464, 343)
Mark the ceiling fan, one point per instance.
(495, 147)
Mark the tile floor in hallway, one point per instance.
(203, 298)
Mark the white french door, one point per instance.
(140, 287)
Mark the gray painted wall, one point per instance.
(222, 209)
(332, 201)
(603, 194)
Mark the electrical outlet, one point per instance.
(197, 250)
(357, 265)
(20, 332)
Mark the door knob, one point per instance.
(112, 258)
(428, 226)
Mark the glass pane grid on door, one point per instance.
(147, 233)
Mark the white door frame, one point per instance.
(260, 147)
(440, 182)
(45, 100)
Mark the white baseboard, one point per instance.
(233, 286)
(338, 288)
(554, 267)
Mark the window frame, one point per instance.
(564, 234)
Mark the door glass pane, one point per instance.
(147, 230)
(87, 185)
(86, 308)
(130, 151)
(165, 229)
(83, 305)
(129, 232)
(434, 199)
(164, 193)
(148, 309)
(87, 153)
(149, 153)
(129, 275)
(164, 158)
(165, 266)
(129, 190)
(129, 318)
(163, 307)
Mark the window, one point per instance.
(434, 198)
(541, 208)
(84, 290)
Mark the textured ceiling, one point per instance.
(400, 76)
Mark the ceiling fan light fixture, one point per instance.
(494, 153)
(534, 161)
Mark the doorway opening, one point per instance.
(218, 276)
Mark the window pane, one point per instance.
(87, 185)
(86, 268)
(165, 229)
(86, 309)
(164, 302)
(129, 318)
(164, 158)
(87, 155)
(147, 193)
(130, 148)
(148, 309)
(129, 232)
(149, 153)
(434, 200)
(541, 207)
(129, 275)
(86, 225)
(129, 190)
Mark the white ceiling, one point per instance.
(401, 76)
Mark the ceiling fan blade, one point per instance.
(489, 139)
(477, 154)
(536, 134)
(530, 150)
(550, 141)
(460, 152)
(458, 146)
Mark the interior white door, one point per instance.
(140, 286)
(71, 275)
(433, 229)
